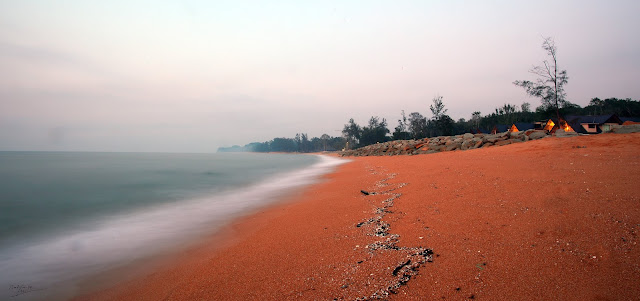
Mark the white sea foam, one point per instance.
(41, 269)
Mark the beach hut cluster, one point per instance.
(501, 135)
(571, 123)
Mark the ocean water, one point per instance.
(65, 216)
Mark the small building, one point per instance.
(630, 120)
(594, 124)
(553, 124)
(500, 128)
(521, 126)
(539, 125)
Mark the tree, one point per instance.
(401, 131)
(507, 113)
(437, 108)
(325, 138)
(352, 132)
(282, 145)
(375, 132)
(622, 107)
(444, 126)
(441, 123)
(475, 119)
(417, 125)
(549, 86)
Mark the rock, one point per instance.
(494, 138)
(626, 129)
(537, 135)
(464, 145)
(434, 146)
(561, 133)
(503, 142)
(517, 135)
(468, 136)
(453, 146)
(467, 144)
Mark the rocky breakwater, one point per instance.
(444, 143)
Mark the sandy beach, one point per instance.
(551, 219)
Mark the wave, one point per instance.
(39, 268)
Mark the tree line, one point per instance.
(417, 126)
(548, 86)
(300, 144)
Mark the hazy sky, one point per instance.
(189, 76)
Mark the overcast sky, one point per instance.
(190, 76)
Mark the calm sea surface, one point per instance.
(65, 215)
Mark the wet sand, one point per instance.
(556, 218)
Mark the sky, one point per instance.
(191, 76)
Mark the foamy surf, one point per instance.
(47, 268)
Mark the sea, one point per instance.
(65, 216)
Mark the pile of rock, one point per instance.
(444, 143)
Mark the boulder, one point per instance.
(626, 129)
(561, 133)
(453, 146)
(537, 135)
(494, 138)
(467, 144)
(517, 135)
(503, 142)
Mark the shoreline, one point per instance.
(134, 242)
(220, 236)
(552, 218)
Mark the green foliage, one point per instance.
(301, 143)
(418, 126)
(622, 107)
(283, 145)
(440, 124)
(402, 130)
(375, 132)
(352, 132)
(443, 126)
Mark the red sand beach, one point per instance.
(551, 219)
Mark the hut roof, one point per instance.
(597, 119)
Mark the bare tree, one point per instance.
(475, 119)
(437, 108)
(549, 86)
